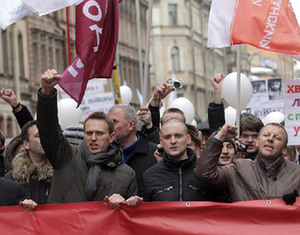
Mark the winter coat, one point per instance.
(245, 179)
(170, 180)
(11, 192)
(36, 181)
(141, 160)
(70, 169)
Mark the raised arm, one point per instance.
(207, 169)
(55, 145)
(160, 92)
(20, 111)
(216, 116)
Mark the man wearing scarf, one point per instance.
(90, 171)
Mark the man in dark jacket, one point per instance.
(31, 168)
(138, 151)
(173, 179)
(90, 171)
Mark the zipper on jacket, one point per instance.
(163, 190)
(180, 183)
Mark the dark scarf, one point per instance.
(94, 162)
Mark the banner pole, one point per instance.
(238, 88)
(68, 35)
(117, 84)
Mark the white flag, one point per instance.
(220, 19)
(11, 11)
(47, 6)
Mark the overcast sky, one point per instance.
(296, 7)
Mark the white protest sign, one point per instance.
(292, 110)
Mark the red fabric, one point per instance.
(252, 217)
(269, 25)
(97, 29)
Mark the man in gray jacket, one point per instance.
(90, 171)
(268, 176)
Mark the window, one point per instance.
(175, 64)
(172, 14)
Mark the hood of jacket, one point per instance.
(23, 168)
(10, 151)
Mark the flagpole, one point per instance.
(138, 30)
(146, 68)
(68, 35)
(238, 89)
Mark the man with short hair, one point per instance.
(228, 152)
(250, 127)
(268, 176)
(31, 168)
(138, 151)
(172, 113)
(90, 171)
(173, 179)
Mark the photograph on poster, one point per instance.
(275, 88)
(259, 86)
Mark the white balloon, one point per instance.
(276, 117)
(229, 91)
(186, 107)
(67, 112)
(126, 94)
(194, 123)
(230, 115)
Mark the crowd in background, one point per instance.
(108, 158)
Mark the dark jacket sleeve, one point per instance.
(155, 115)
(207, 169)
(23, 116)
(56, 147)
(216, 116)
(152, 134)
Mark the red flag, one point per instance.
(97, 29)
(265, 24)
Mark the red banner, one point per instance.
(252, 217)
(97, 31)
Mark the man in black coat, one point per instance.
(173, 179)
(138, 151)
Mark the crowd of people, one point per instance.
(108, 159)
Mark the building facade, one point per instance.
(178, 46)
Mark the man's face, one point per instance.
(195, 147)
(271, 143)
(174, 140)
(33, 145)
(170, 115)
(250, 138)
(203, 140)
(227, 154)
(123, 128)
(96, 136)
